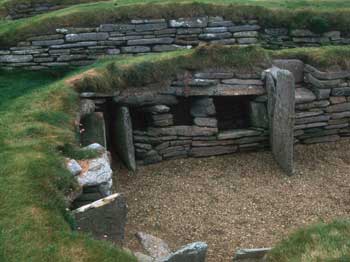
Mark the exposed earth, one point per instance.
(236, 201)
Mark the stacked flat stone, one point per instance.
(203, 138)
(325, 115)
(28, 9)
(82, 46)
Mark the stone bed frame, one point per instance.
(82, 46)
(302, 105)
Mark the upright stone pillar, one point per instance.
(281, 105)
(123, 137)
(94, 129)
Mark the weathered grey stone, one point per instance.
(124, 137)
(326, 75)
(323, 83)
(295, 66)
(246, 34)
(212, 150)
(313, 119)
(189, 22)
(213, 75)
(241, 28)
(334, 35)
(106, 222)
(15, 58)
(157, 109)
(321, 139)
(304, 95)
(152, 157)
(321, 94)
(187, 131)
(237, 133)
(45, 37)
(281, 90)
(258, 115)
(308, 114)
(145, 99)
(336, 126)
(67, 58)
(315, 104)
(247, 41)
(338, 108)
(341, 91)
(188, 31)
(48, 42)
(243, 82)
(227, 41)
(203, 107)
(337, 99)
(214, 36)
(175, 151)
(207, 143)
(151, 41)
(250, 255)
(151, 26)
(86, 37)
(158, 117)
(136, 49)
(311, 125)
(73, 167)
(205, 121)
(302, 33)
(195, 252)
(143, 146)
(198, 82)
(154, 246)
(97, 170)
(74, 45)
(94, 129)
(221, 29)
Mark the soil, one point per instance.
(236, 201)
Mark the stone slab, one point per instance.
(123, 136)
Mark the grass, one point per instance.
(36, 115)
(113, 75)
(320, 242)
(318, 15)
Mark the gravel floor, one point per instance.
(236, 201)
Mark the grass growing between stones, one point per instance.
(36, 117)
(113, 75)
(319, 16)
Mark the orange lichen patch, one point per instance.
(72, 81)
(84, 166)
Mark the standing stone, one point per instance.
(106, 222)
(281, 103)
(123, 137)
(94, 129)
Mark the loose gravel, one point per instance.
(236, 201)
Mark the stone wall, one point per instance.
(322, 112)
(22, 10)
(81, 46)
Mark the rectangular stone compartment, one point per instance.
(232, 112)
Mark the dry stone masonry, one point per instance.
(217, 111)
(82, 46)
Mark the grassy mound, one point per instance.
(36, 116)
(36, 120)
(320, 242)
(113, 75)
(320, 16)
